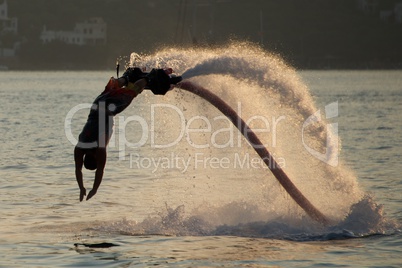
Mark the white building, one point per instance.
(7, 24)
(89, 32)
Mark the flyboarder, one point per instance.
(90, 150)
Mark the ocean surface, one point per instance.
(182, 187)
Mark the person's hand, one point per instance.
(91, 193)
(83, 192)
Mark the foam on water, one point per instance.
(265, 87)
(365, 219)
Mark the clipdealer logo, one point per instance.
(188, 127)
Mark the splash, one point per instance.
(366, 219)
(260, 149)
(265, 87)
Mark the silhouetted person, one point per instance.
(90, 150)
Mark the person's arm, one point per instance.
(79, 161)
(100, 166)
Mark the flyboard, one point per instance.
(279, 174)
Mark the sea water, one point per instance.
(183, 188)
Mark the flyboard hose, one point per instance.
(279, 174)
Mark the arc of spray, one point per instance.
(268, 159)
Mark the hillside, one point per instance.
(307, 33)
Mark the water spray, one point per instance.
(261, 150)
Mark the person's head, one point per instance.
(90, 161)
